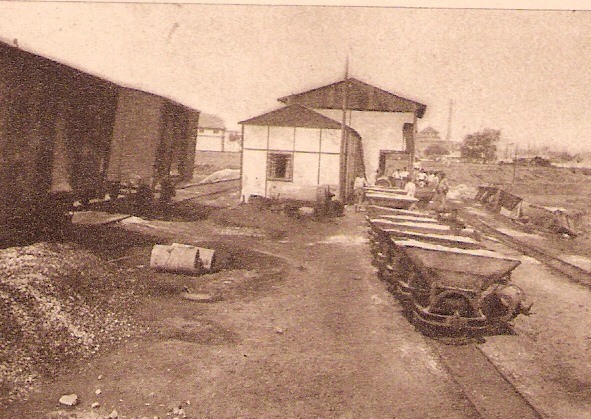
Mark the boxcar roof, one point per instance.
(9, 51)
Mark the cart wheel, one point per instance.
(449, 303)
(503, 303)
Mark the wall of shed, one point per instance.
(379, 130)
(136, 137)
(316, 157)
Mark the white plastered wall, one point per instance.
(254, 161)
(315, 161)
(378, 130)
(209, 142)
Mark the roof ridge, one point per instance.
(310, 112)
(385, 101)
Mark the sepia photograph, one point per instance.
(295, 210)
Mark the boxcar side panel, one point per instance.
(90, 115)
(136, 137)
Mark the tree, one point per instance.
(436, 150)
(481, 145)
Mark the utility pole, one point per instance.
(343, 166)
(514, 165)
(448, 134)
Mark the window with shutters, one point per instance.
(280, 166)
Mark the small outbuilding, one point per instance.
(293, 151)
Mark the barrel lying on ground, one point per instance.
(182, 258)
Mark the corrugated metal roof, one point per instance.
(360, 97)
(295, 116)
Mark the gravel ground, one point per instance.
(300, 327)
(58, 303)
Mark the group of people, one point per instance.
(435, 181)
(399, 178)
(429, 179)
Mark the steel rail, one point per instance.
(555, 264)
(487, 389)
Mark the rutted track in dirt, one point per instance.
(488, 389)
(559, 266)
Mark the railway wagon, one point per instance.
(57, 129)
(448, 281)
(153, 141)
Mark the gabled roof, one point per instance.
(360, 97)
(207, 120)
(295, 116)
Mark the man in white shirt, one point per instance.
(358, 188)
(410, 188)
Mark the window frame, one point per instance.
(272, 168)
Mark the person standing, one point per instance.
(441, 193)
(397, 178)
(404, 175)
(359, 190)
(410, 188)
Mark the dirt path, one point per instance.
(308, 331)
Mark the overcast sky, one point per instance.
(525, 72)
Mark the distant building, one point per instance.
(210, 133)
(233, 141)
(429, 142)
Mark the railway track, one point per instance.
(490, 393)
(210, 189)
(556, 265)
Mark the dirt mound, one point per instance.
(58, 303)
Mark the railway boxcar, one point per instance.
(58, 127)
(55, 131)
(153, 138)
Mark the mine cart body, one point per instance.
(384, 189)
(456, 288)
(378, 210)
(391, 200)
(424, 194)
(444, 275)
